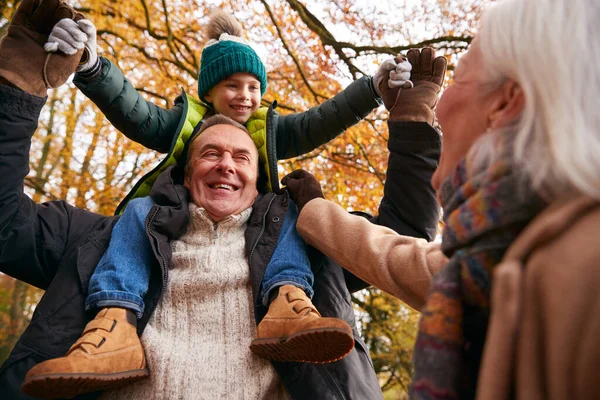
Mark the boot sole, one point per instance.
(54, 386)
(320, 346)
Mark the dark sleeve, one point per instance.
(33, 237)
(409, 205)
(303, 132)
(138, 119)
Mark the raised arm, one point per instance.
(19, 114)
(137, 118)
(103, 82)
(409, 205)
(400, 265)
(303, 132)
(34, 238)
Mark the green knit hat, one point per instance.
(225, 57)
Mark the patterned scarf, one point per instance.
(483, 214)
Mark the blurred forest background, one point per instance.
(312, 50)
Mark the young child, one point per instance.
(232, 81)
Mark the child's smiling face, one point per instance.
(237, 96)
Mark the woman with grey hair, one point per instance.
(513, 308)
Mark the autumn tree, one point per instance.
(312, 49)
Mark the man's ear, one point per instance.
(508, 105)
(186, 178)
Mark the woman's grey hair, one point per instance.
(550, 48)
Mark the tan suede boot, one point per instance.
(108, 354)
(23, 61)
(294, 331)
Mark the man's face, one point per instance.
(222, 171)
(237, 96)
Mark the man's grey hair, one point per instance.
(219, 119)
(549, 47)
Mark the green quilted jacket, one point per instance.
(276, 136)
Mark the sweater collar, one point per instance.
(200, 219)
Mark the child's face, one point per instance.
(237, 96)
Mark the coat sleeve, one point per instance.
(400, 265)
(303, 132)
(33, 237)
(409, 205)
(138, 119)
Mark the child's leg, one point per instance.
(122, 276)
(109, 352)
(293, 330)
(289, 264)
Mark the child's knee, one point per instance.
(140, 206)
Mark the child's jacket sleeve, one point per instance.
(138, 119)
(303, 132)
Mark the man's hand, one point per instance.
(302, 187)
(394, 71)
(417, 103)
(69, 37)
(23, 61)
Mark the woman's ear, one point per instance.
(508, 105)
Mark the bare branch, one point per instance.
(327, 38)
(379, 175)
(38, 186)
(143, 50)
(317, 27)
(289, 51)
(394, 50)
(189, 56)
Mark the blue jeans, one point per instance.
(122, 276)
(289, 264)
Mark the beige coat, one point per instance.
(544, 328)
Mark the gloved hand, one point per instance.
(69, 36)
(302, 187)
(395, 71)
(23, 61)
(417, 103)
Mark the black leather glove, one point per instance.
(302, 187)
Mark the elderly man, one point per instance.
(213, 244)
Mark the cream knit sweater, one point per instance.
(197, 339)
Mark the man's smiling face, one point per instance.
(222, 171)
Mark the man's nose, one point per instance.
(226, 164)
